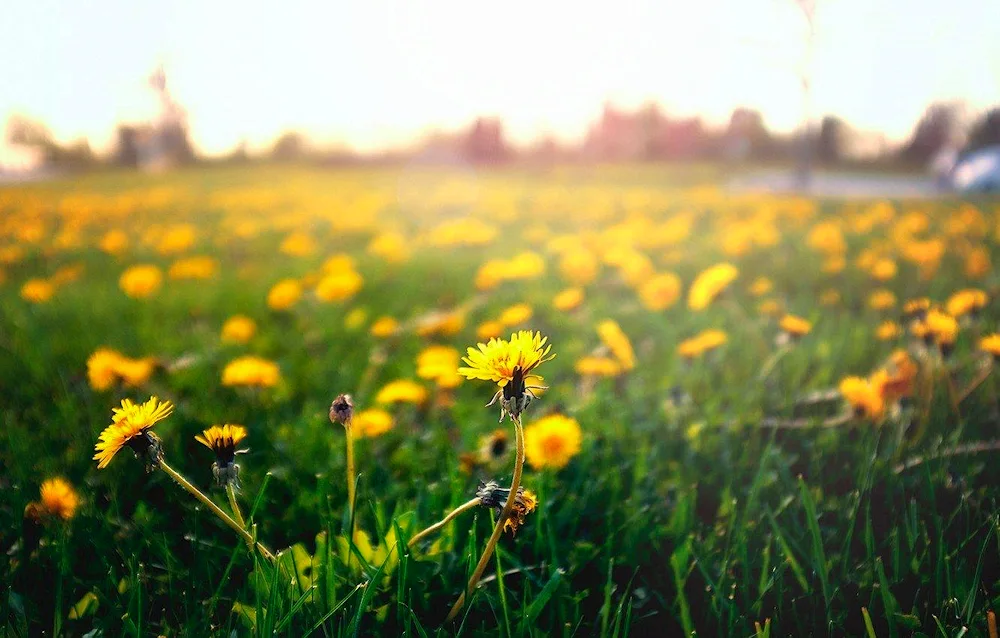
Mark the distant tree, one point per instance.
(127, 146)
(290, 146)
(24, 131)
(939, 126)
(832, 141)
(985, 132)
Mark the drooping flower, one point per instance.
(618, 342)
(709, 284)
(552, 441)
(58, 498)
(492, 496)
(223, 439)
(251, 371)
(132, 425)
(509, 364)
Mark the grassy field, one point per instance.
(765, 417)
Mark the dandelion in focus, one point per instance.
(131, 425)
(223, 440)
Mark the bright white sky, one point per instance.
(374, 73)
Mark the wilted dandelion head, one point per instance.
(342, 410)
(131, 425)
(493, 496)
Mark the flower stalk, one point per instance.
(215, 509)
(464, 507)
(508, 507)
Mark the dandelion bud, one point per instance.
(342, 410)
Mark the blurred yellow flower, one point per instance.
(402, 391)
(703, 342)
(516, 315)
(884, 269)
(489, 330)
(238, 329)
(37, 290)
(761, 286)
(177, 239)
(58, 498)
(579, 266)
(140, 281)
(566, 300)
(193, 268)
(597, 367)
(618, 342)
(863, 396)
(435, 361)
(888, 330)
(339, 285)
(661, 291)
(991, 344)
(284, 294)
(966, 302)
(251, 371)
(298, 244)
(392, 247)
(384, 327)
(882, 299)
(552, 441)
(440, 323)
(709, 284)
(795, 326)
(355, 318)
(372, 423)
(942, 326)
(114, 242)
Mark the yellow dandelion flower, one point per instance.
(509, 364)
(943, 327)
(135, 372)
(392, 247)
(251, 371)
(102, 368)
(440, 323)
(114, 242)
(881, 300)
(991, 344)
(223, 439)
(966, 302)
(131, 425)
(384, 327)
(795, 326)
(888, 330)
(597, 367)
(516, 315)
(618, 342)
(372, 423)
(37, 290)
(552, 441)
(339, 285)
(709, 284)
(917, 308)
(140, 281)
(193, 268)
(566, 300)
(863, 396)
(298, 244)
(829, 297)
(489, 330)
(238, 329)
(579, 266)
(434, 362)
(58, 498)
(761, 286)
(660, 291)
(402, 391)
(284, 294)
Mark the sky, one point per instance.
(378, 73)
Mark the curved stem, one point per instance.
(207, 502)
(515, 483)
(468, 505)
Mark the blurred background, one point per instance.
(786, 85)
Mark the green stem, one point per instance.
(468, 505)
(350, 469)
(207, 502)
(233, 505)
(515, 483)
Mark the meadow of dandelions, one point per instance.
(385, 402)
